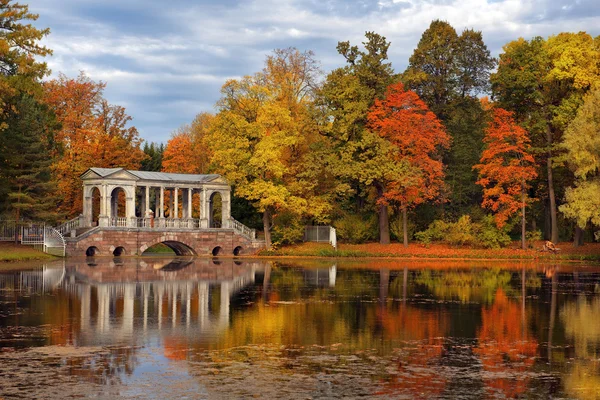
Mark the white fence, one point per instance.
(323, 234)
(41, 237)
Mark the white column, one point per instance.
(203, 210)
(147, 200)
(176, 202)
(225, 209)
(104, 218)
(190, 208)
(130, 206)
(162, 202)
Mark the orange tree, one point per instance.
(407, 123)
(505, 167)
(93, 133)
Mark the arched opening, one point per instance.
(119, 251)
(118, 206)
(216, 251)
(168, 247)
(216, 210)
(92, 251)
(237, 251)
(95, 205)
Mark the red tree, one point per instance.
(505, 167)
(406, 121)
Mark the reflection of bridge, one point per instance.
(127, 212)
(116, 298)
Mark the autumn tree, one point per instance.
(449, 71)
(506, 167)
(187, 151)
(543, 82)
(263, 139)
(93, 133)
(403, 119)
(361, 158)
(582, 144)
(26, 126)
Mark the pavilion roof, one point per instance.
(155, 176)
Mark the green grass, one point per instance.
(12, 253)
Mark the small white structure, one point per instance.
(140, 186)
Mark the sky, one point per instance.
(165, 61)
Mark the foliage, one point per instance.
(543, 83)
(506, 166)
(582, 143)
(406, 122)
(360, 158)
(288, 228)
(93, 133)
(154, 155)
(26, 167)
(354, 229)
(187, 151)
(465, 232)
(263, 135)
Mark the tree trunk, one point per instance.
(384, 220)
(267, 227)
(578, 240)
(551, 195)
(18, 217)
(523, 240)
(405, 225)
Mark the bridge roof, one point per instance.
(154, 176)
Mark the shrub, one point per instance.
(287, 229)
(354, 229)
(465, 232)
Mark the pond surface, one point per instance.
(196, 328)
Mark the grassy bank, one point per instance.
(588, 252)
(11, 252)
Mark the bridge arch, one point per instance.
(172, 242)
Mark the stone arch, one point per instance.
(215, 214)
(216, 251)
(118, 202)
(238, 250)
(171, 241)
(92, 251)
(119, 251)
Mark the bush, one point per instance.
(465, 232)
(354, 229)
(287, 229)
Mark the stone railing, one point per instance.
(242, 229)
(68, 226)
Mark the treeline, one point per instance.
(460, 146)
(425, 152)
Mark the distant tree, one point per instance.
(506, 168)
(406, 122)
(582, 144)
(187, 150)
(154, 155)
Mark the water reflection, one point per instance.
(498, 332)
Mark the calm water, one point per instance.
(197, 328)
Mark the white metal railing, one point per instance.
(324, 234)
(68, 226)
(41, 237)
(242, 229)
(8, 231)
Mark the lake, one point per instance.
(164, 328)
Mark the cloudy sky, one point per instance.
(165, 60)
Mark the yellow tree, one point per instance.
(187, 151)
(264, 138)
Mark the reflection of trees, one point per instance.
(506, 349)
(106, 367)
(466, 286)
(582, 325)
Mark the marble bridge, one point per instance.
(126, 212)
